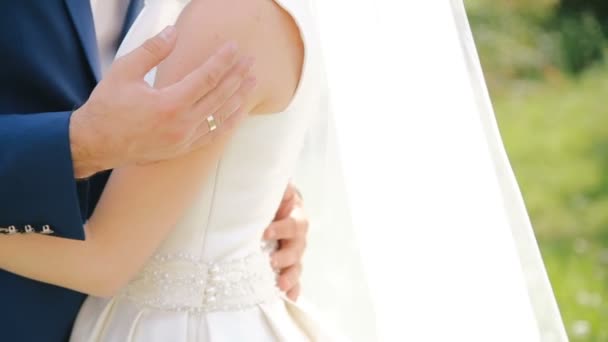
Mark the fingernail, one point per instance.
(167, 33)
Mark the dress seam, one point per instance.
(204, 239)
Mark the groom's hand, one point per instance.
(126, 121)
(290, 228)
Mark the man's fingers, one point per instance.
(285, 209)
(230, 94)
(289, 277)
(292, 227)
(291, 199)
(287, 203)
(140, 61)
(281, 230)
(206, 77)
(294, 293)
(290, 193)
(204, 137)
(236, 101)
(288, 255)
(228, 116)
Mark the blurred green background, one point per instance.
(545, 64)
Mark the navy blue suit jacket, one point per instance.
(48, 67)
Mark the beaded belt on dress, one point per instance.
(181, 282)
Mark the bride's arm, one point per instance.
(141, 204)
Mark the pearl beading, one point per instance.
(182, 282)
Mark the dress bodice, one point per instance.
(224, 225)
(244, 191)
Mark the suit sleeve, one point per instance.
(37, 183)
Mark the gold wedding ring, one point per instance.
(211, 123)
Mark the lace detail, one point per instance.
(181, 282)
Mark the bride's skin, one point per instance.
(141, 204)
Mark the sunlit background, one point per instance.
(544, 61)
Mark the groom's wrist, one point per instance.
(86, 149)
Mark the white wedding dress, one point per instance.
(418, 228)
(211, 280)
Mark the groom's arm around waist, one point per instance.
(37, 183)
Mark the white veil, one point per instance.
(419, 231)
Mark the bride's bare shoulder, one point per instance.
(261, 28)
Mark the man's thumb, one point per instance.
(153, 51)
